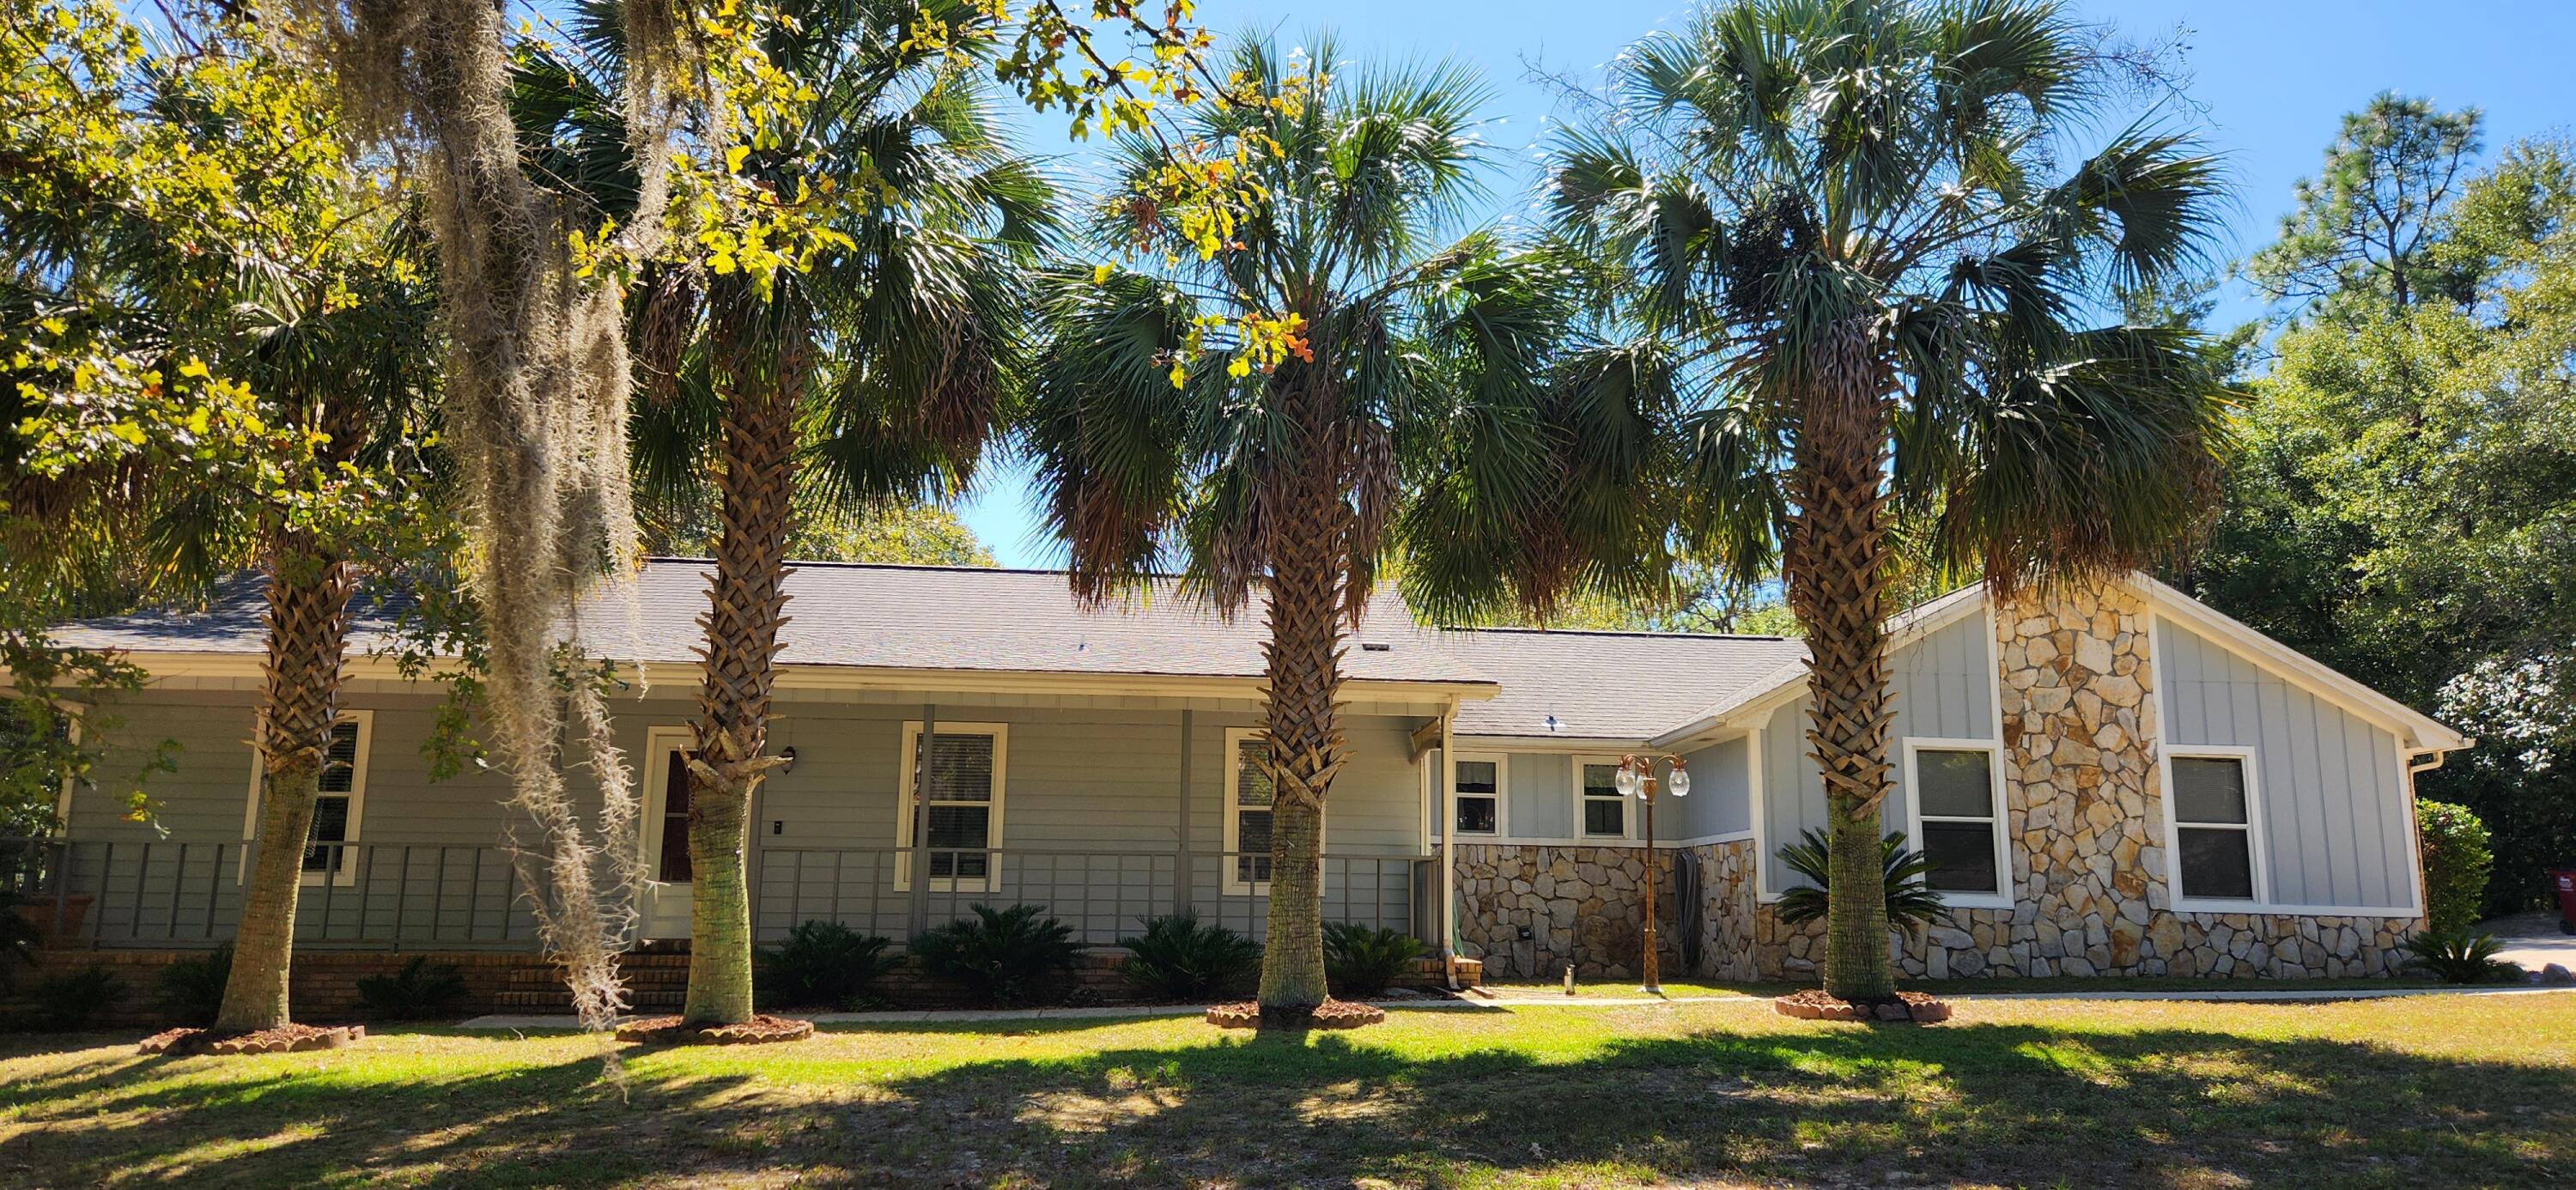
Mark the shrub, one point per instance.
(1177, 958)
(1362, 960)
(1003, 956)
(417, 991)
(1910, 902)
(70, 1000)
(821, 964)
(2457, 859)
(192, 990)
(2458, 957)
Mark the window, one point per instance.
(339, 804)
(32, 753)
(2213, 827)
(1957, 823)
(1605, 813)
(666, 825)
(1249, 794)
(1479, 783)
(960, 771)
(1247, 813)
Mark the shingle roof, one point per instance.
(1607, 685)
(907, 617)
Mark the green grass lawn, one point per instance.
(2425, 1091)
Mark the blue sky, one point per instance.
(2271, 78)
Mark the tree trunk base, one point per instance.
(673, 1030)
(285, 1039)
(1817, 1004)
(1331, 1014)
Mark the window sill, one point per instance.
(2219, 905)
(1969, 900)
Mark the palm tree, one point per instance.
(291, 271)
(873, 375)
(1421, 404)
(1846, 220)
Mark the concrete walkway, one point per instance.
(2533, 940)
(504, 1023)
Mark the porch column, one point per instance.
(1182, 865)
(1448, 798)
(919, 844)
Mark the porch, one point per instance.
(460, 896)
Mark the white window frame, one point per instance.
(1574, 776)
(71, 713)
(659, 742)
(2002, 896)
(911, 741)
(346, 873)
(1502, 795)
(2255, 855)
(1233, 822)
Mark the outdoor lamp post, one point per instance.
(1637, 779)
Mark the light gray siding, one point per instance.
(1721, 800)
(2332, 797)
(1944, 687)
(1091, 797)
(1542, 795)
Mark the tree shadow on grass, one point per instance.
(2016, 1104)
(1989, 1102)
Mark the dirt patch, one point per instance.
(1815, 1004)
(285, 1039)
(1331, 1014)
(671, 1030)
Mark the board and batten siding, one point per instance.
(2330, 787)
(1721, 799)
(1944, 688)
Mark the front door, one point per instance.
(665, 902)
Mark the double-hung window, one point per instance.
(2213, 811)
(954, 781)
(1479, 795)
(339, 800)
(1248, 797)
(1605, 812)
(1958, 821)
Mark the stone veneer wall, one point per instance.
(1581, 905)
(1727, 944)
(2085, 811)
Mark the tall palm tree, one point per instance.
(288, 269)
(873, 374)
(1864, 230)
(1423, 404)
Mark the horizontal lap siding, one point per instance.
(2333, 810)
(1098, 780)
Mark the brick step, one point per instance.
(640, 998)
(520, 975)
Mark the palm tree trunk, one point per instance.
(1302, 661)
(762, 355)
(308, 629)
(1837, 569)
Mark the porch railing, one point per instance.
(462, 896)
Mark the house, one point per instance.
(1106, 764)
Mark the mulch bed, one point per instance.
(1815, 1004)
(1331, 1014)
(759, 1030)
(285, 1039)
